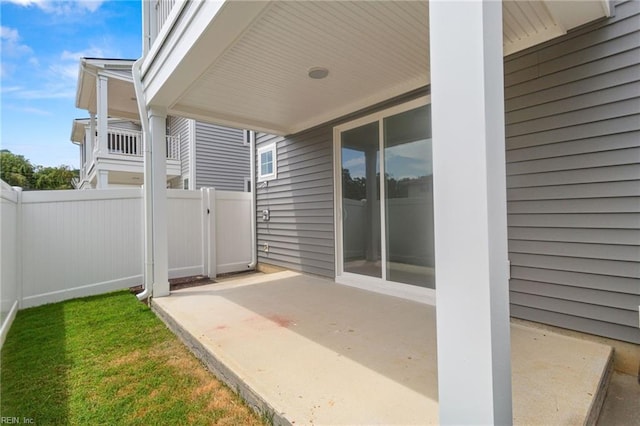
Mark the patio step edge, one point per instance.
(221, 371)
(601, 392)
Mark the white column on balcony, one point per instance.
(473, 334)
(90, 140)
(158, 128)
(81, 167)
(102, 99)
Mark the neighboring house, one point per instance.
(198, 154)
(370, 183)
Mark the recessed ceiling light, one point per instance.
(318, 73)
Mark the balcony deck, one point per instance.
(310, 351)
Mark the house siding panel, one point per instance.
(300, 231)
(222, 159)
(573, 163)
(179, 126)
(572, 110)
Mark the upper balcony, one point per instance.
(127, 144)
(121, 153)
(110, 140)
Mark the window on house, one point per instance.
(267, 162)
(185, 184)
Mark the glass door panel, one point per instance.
(361, 227)
(409, 198)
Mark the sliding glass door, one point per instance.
(386, 198)
(362, 252)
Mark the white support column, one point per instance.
(102, 180)
(158, 127)
(81, 166)
(467, 94)
(192, 154)
(102, 98)
(91, 139)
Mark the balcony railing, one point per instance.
(173, 147)
(129, 143)
(163, 9)
(124, 142)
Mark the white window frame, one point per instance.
(274, 156)
(247, 137)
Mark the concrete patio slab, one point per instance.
(309, 351)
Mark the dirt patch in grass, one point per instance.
(108, 360)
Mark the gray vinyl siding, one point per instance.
(573, 182)
(222, 158)
(125, 125)
(573, 178)
(179, 126)
(300, 233)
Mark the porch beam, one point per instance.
(467, 92)
(158, 180)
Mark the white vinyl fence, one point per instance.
(57, 245)
(9, 279)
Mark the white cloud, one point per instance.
(11, 45)
(30, 110)
(354, 162)
(48, 91)
(9, 89)
(65, 71)
(9, 34)
(58, 7)
(57, 79)
(12, 49)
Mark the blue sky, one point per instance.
(42, 42)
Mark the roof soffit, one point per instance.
(373, 50)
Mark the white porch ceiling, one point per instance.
(120, 90)
(374, 50)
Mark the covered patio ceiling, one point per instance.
(120, 89)
(247, 65)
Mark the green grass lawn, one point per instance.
(108, 360)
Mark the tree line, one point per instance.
(18, 171)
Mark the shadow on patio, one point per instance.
(314, 352)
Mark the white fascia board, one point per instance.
(86, 88)
(80, 84)
(115, 75)
(227, 120)
(363, 103)
(572, 14)
(78, 129)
